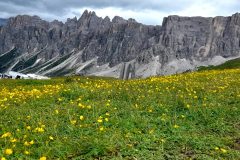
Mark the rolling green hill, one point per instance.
(232, 64)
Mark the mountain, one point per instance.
(120, 48)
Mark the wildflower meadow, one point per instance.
(187, 116)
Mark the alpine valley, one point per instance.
(116, 48)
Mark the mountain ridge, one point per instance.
(120, 48)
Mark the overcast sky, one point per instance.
(144, 11)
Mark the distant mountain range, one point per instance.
(119, 48)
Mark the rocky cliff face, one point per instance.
(119, 48)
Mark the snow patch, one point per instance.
(25, 76)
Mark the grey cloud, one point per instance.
(51, 9)
(133, 4)
(60, 7)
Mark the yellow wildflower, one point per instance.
(8, 151)
(13, 140)
(43, 158)
(26, 143)
(100, 120)
(50, 137)
(89, 107)
(31, 142)
(162, 140)
(28, 127)
(223, 150)
(56, 111)
(81, 118)
(39, 129)
(175, 126)
(73, 122)
(8, 134)
(101, 128)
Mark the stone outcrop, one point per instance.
(92, 45)
(127, 71)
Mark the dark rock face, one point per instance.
(200, 38)
(93, 45)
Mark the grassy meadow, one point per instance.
(186, 116)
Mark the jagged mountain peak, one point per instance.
(132, 20)
(107, 19)
(236, 14)
(71, 20)
(88, 14)
(26, 20)
(56, 23)
(85, 13)
(118, 19)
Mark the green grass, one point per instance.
(232, 64)
(188, 116)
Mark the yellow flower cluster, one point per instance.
(20, 94)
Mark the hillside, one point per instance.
(231, 64)
(186, 116)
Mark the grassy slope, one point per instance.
(232, 64)
(193, 115)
